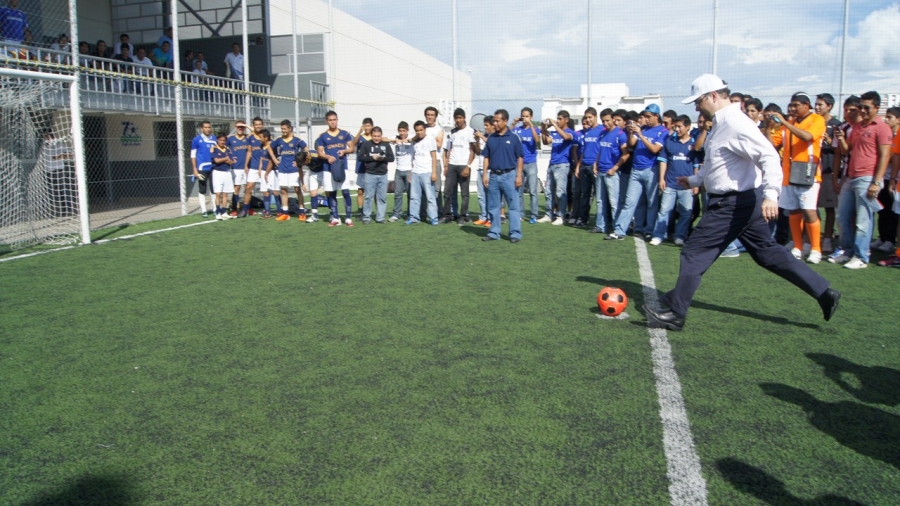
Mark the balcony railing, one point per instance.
(112, 85)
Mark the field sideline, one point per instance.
(393, 364)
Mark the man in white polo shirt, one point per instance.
(458, 158)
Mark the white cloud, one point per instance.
(517, 49)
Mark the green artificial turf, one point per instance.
(262, 362)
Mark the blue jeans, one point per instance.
(855, 217)
(685, 199)
(401, 183)
(482, 196)
(557, 184)
(376, 187)
(422, 183)
(641, 183)
(505, 185)
(606, 188)
(530, 183)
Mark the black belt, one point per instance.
(498, 172)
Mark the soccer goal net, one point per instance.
(38, 189)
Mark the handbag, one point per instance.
(804, 173)
(339, 170)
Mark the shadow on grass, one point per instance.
(634, 291)
(90, 490)
(475, 230)
(768, 489)
(866, 430)
(106, 232)
(879, 385)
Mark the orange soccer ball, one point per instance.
(612, 301)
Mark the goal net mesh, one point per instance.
(38, 189)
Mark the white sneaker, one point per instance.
(656, 241)
(679, 242)
(855, 263)
(545, 219)
(393, 219)
(814, 257)
(348, 222)
(219, 217)
(839, 260)
(826, 246)
(797, 253)
(313, 218)
(558, 221)
(886, 246)
(876, 243)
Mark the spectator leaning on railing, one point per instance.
(13, 23)
(163, 55)
(123, 42)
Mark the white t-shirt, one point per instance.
(479, 160)
(146, 61)
(422, 155)
(403, 156)
(52, 156)
(236, 62)
(458, 145)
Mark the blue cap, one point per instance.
(652, 108)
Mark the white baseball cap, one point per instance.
(704, 84)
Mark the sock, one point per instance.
(796, 221)
(348, 204)
(203, 204)
(285, 209)
(234, 200)
(273, 205)
(815, 240)
(302, 209)
(246, 207)
(315, 212)
(332, 205)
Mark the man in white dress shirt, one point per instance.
(742, 175)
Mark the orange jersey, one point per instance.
(797, 150)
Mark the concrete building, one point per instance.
(611, 95)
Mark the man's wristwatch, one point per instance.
(878, 184)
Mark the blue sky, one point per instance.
(519, 52)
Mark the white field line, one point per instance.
(686, 483)
(103, 241)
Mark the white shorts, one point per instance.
(222, 181)
(316, 180)
(271, 182)
(240, 177)
(799, 197)
(330, 185)
(289, 179)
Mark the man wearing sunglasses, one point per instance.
(742, 175)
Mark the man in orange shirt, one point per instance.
(802, 143)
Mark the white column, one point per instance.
(294, 65)
(455, 49)
(590, 98)
(245, 42)
(715, 41)
(843, 54)
(77, 130)
(179, 117)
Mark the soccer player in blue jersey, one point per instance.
(531, 142)
(290, 152)
(613, 154)
(678, 158)
(201, 163)
(222, 180)
(589, 148)
(333, 146)
(645, 143)
(560, 140)
(256, 173)
(364, 134)
(240, 146)
(13, 24)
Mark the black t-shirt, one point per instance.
(827, 149)
(369, 148)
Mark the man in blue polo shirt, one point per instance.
(645, 143)
(201, 163)
(678, 158)
(503, 160)
(613, 154)
(560, 140)
(588, 150)
(13, 23)
(333, 146)
(531, 142)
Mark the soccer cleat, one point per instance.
(312, 219)
(796, 253)
(730, 253)
(545, 219)
(394, 218)
(283, 217)
(435, 222)
(334, 222)
(532, 221)
(205, 215)
(365, 221)
(614, 237)
(892, 261)
(348, 222)
(233, 214)
(251, 212)
(219, 217)
(302, 217)
(487, 224)
(558, 221)
(265, 215)
(814, 257)
(479, 221)
(656, 241)
(242, 214)
(461, 222)
(840, 259)
(411, 221)
(855, 263)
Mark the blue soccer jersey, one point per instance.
(217, 152)
(644, 158)
(287, 151)
(241, 149)
(332, 144)
(529, 144)
(200, 150)
(256, 151)
(611, 142)
(360, 166)
(590, 146)
(12, 24)
(680, 158)
(560, 149)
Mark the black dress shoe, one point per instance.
(828, 301)
(514, 240)
(489, 238)
(663, 319)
